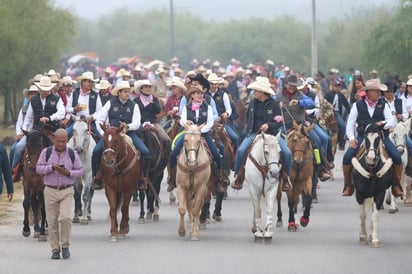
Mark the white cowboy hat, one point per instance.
(176, 81)
(51, 72)
(213, 78)
(66, 80)
(88, 75)
(45, 84)
(120, 86)
(32, 88)
(127, 74)
(261, 84)
(103, 84)
(409, 83)
(139, 83)
(190, 74)
(372, 84)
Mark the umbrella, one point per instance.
(84, 56)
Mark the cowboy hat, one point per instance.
(292, 80)
(202, 80)
(160, 70)
(372, 84)
(51, 72)
(301, 83)
(120, 86)
(261, 84)
(190, 74)
(139, 83)
(66, 81)
(88, 75)
(127, 74)
(32, 88)
(409, 83)
(103, 84)
(193, 89)
(213, 78)
(176, 81)
(224, 82)
(45, 84)
(36, 78)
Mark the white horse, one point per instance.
(83, 142)
(261, 173)
(398, 137)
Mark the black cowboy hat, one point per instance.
(202, 80)
(292, 80)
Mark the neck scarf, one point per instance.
(196, 106)
(146, 99)
(370, 103)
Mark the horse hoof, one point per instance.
(140, 220)
(121, 235)
(376, 243)
(407, 202)
(279, 224)
(113, 238)
(84, 222)
(149, 216)
(258, 239)
(127, 230)
(303, 221)
(76, 220)
(194, 238)
(314, 201)
(217, 218)
(36, 234)
(26, 233)
(182, 233)
(42, 238)
(155, 217)
(202, 225)
(292, 227)
(388, 201)
(393, 210)
(89, 218)
(363, 240)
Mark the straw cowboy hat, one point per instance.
(127, 74)
(32, 88)
(192, 90)
(45, 84)
(103, 84)
(51, 72)
(372, 84)
(190, 74)
(224, 82)
(139, 83)
(88, 75)
(409, 83)
(176, 81)
(214, 79)
(36, 78)
(261, 84)
(66, 81)
(120, 86)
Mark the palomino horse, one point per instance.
(33, 183)
(300, 146)
(84, 143)
(160, 150)
(192, 179)
(261, 173)
(372, 175)
(121, 170)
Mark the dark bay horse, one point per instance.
(372, 175)
(160, 150)
(33, 183)
(121, 170)
(300, 146)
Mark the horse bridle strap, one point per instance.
(263, 169)
(197, 168)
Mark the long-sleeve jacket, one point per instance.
(5, 171)
(266, 112)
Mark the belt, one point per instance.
(60, 187)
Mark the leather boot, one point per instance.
(323, 173)
(396, 181)
(286, 184)
(16, 172)
(238, 183)
(96, 173)
(220, 181)
(347, 178)
(171, 179)
(144, 180)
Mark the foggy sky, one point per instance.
(222, 10)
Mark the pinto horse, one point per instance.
(300, 146)
(84, 143)
(261, 172)
(192, 179)
(371, 175)
(121, 169)
(33, 183)
(160, 151)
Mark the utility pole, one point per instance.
(172, 30)
(314, 40)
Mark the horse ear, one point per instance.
(103, 127)
(278, 136)
(200, 127)
(310, 128)
(186, 126)
(120, 129)
(295, 125)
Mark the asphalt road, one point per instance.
(329, 244)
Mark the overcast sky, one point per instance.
(222, 10)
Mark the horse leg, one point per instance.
(205, 211)
(270, 203)
(197, 205)
(142, 195)
(279, 222)
(42, 237)
(150, 201)
(135, 200)
(363, 237)
(315, 182)
(393, 208)
(408, 199)
(124, 223)
(86, 203)
(307, 189)
(182, 209)
(375, 220)
(111, 196)
(155, 202)
(291, 205)
(77, 203)
(88, 196)
(257, 230)
(35, 209)
(26, 207)
(89, 207)
(217, 213)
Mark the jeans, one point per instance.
(17, 151)
(390, 147)
(233, 135)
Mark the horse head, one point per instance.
(192, 143)
(113, 147)
(372, 142)
(299, 142)
(81, 134)
(36, 141)
(271, 155)
(398, 136)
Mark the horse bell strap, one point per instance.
(263, 169)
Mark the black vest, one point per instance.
(120, 112)
(49, 109)
(220, 105)
(363, 115)
(191, 115)
(148, 113)
(398, 106)
(92, 100)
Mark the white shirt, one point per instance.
(209, 123)
(353, 115)
(102, 117)
(405, 113)
(83, 100)
(57, 116)
(19, 123)
(226, 102)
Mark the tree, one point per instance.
(34, 35)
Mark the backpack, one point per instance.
(49, 151)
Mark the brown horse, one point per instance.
(301, 175)
(121, 169)
(192, 179)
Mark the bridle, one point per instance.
(195, 149)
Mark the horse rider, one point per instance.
(371, 109)
(293, 105)
(104, 87)
(339, 102)
(263, 115)
(84, 101)
(223, 106)
(198, 112)
(17, 149)
(120, 110)
(178, 89)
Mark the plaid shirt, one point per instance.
(54, 178)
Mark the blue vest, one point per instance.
(120, 112)
(92, 100)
